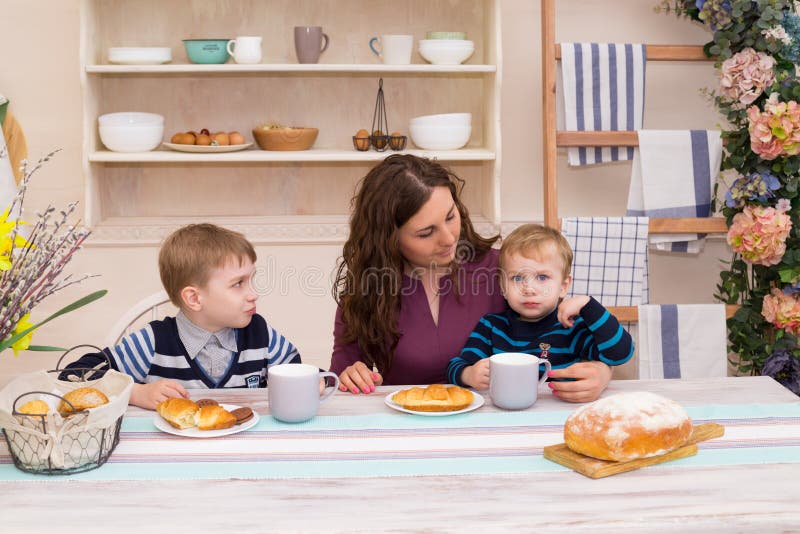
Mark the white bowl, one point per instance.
(446, 43)
(440, 137)
(132, 138)
(146, 55)
(443, 119)
(445, 55)
(130, 118)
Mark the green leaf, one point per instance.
(66, 309)
(45, 348)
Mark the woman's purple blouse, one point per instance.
(425, 348)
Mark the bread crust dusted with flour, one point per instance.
(434, 398)
(627, 426)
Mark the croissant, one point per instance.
(434, 398)
(180, 413)
(214, 418)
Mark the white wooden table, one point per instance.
(729, 498)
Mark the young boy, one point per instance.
(216, 339)
(535, 264)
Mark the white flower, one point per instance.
(777, 34)
(3, 100)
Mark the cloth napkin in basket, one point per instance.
(603, 87)
(682, 341)
(610, 258)
(673, 175)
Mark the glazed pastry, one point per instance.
(434, 398)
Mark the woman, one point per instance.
(414, 279)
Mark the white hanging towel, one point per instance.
(609, 258)
(682, 341)
(603, 86)
(673, 175)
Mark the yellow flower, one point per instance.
(25, 341)
(6, 246)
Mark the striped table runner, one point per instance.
(382, 445)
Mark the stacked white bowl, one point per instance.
(131, 131)
(142, 55)
(446, 51)
(445, 131)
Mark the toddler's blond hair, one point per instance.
(531, 241)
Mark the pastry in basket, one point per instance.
(82, 399)
(34, 407)
(434, 398)
(627, 426)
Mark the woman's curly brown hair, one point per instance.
(369, 274)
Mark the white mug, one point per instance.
(394, 49)
(293, 391)
(245, 49)
(514, 379)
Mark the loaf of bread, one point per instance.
(627, 426)
(214, 418)
(34, 407)
(82, 399)
(434, 398)
(179, 412)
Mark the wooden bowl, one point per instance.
(285, 138)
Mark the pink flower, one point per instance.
(776, 130)
(782, 310)
(759, 234)
(744, 76)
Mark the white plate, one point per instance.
(207, 148)
(477, 402)
(194, 432)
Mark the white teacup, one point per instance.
(393, 49)
(245, 49)
(293, 391)
(514, 379)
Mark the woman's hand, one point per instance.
(590, 379)
(477, 375)
(359, 378)
(148, 396)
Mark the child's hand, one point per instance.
(477, 375)
(571, 308)
(590, 379)
(149, 395)
(359, 378)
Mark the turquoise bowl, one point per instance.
(207, 51)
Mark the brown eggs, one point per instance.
(205, 138)
(362, 134)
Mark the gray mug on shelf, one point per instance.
(309, 43)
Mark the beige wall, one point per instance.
(40, 75)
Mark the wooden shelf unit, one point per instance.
(285, 196)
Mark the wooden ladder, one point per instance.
(554, 138)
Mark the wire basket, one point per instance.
(56, 444)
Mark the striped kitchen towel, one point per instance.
(682, 341)
(603, 87)
(610, 258)
(673, 175)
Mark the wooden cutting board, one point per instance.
(594, 468)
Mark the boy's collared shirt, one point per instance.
(213, 351)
